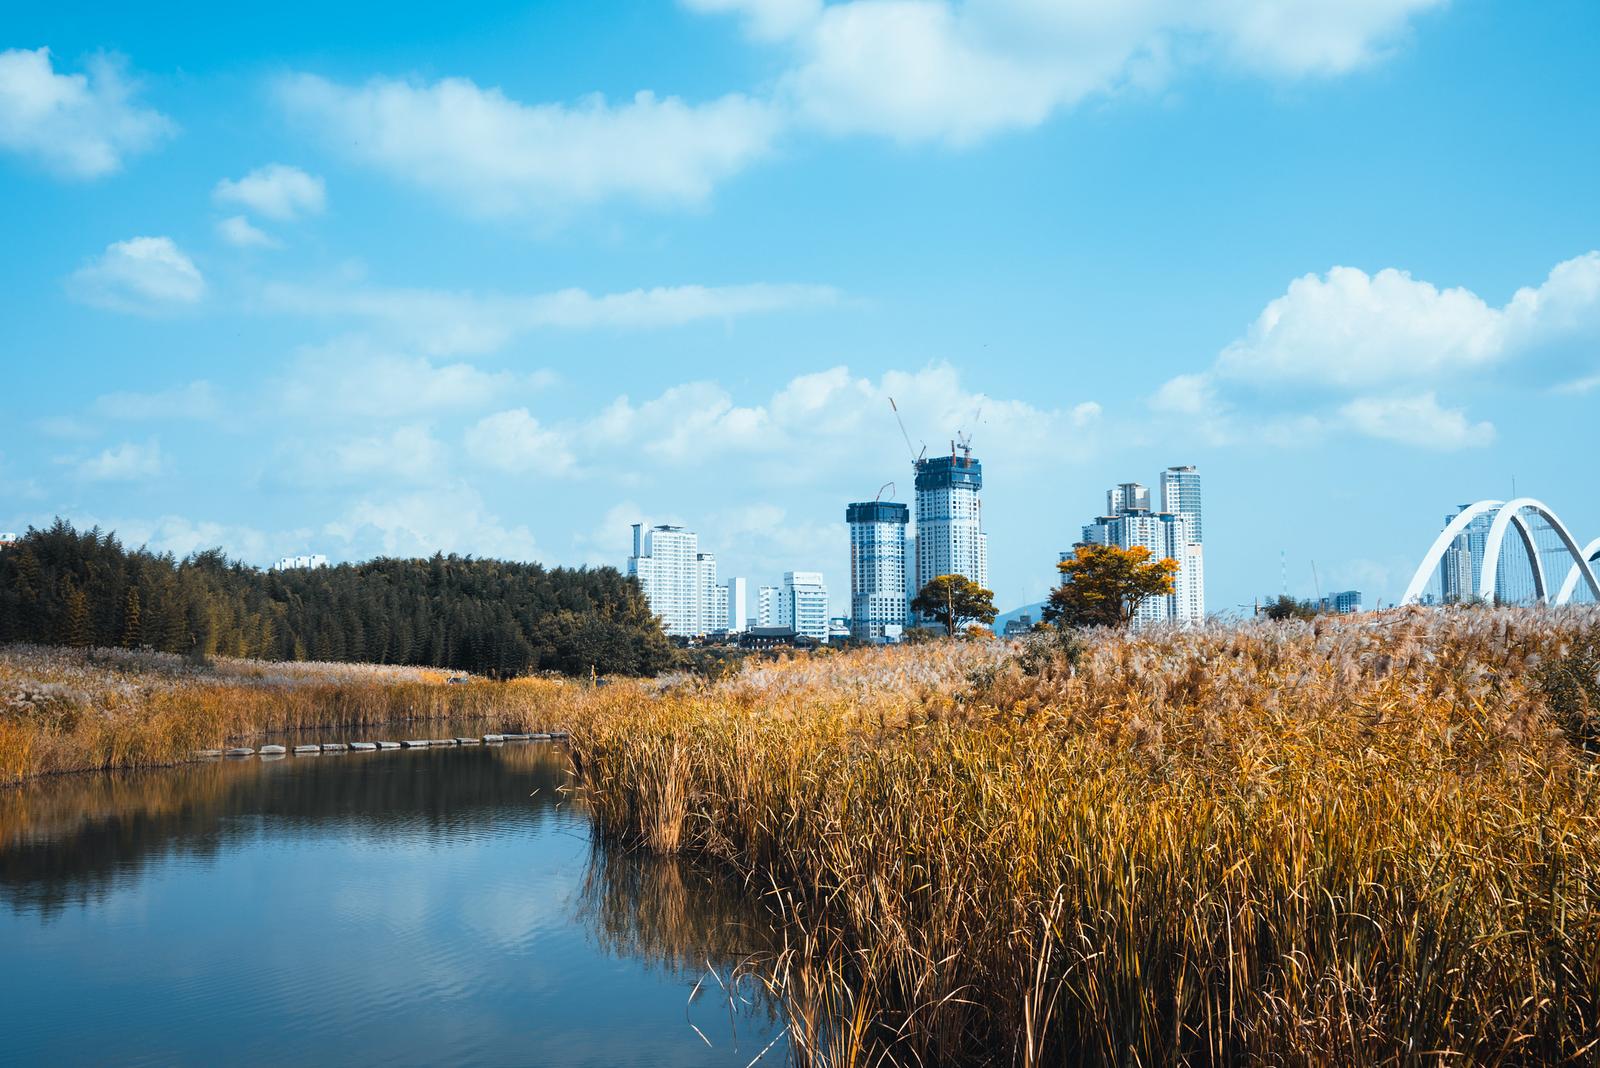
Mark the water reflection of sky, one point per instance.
(369, 908)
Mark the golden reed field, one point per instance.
(1368, 840)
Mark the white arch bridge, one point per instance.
(1521, 515)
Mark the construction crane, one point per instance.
(886, 486)
(910, 451)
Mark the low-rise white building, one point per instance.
(290, 563)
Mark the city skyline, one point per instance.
(259, 297)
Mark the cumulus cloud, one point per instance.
(446, 518)
(440, 322)
(276, 191)
(1348, 332)
(75, 125)
(1416, 420)
(182, 535)
(493, 156)
(239, 232)
(957, 71)
(127, 462)
(830, 416)
(350, 376)
(144, 275)
(197, 400)
(514, 441)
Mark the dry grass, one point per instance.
(1359, 841)
(70, 710)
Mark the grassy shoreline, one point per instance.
(67, 710)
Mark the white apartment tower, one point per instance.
(950, 538)
(769, 601)
(877, 569)
(679, 581)
(805, 604)
(1170, 534)
(735, 595)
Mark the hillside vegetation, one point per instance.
(84, 589)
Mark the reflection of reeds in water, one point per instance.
(65, 710)
(68, 836)
(1359, 841)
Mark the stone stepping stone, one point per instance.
(388, 745)
(273, 750)
(365, 747)
(334, 747)
(491, 739)
(304, 749)
(441, 741)
(415, 743)
(467, 741)
(241, 751)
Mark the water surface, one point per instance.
(412, 907)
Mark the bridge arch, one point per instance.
(1507, 515)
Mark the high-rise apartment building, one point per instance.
(679, 581)
(769, 603)
(734, 593)
(1170, 534)
(1180, 493)
(877, 569)
(805, 604)
(950, 538)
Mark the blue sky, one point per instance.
(503, 280)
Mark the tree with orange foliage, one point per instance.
(1105, 585)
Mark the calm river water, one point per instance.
(413, 907)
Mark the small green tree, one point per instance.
(1106, 584)
(952, 600)
(1286, 607)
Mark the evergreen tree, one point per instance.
(131, 630)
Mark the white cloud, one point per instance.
(493, 156)
(828, 417)
(77, 125)
(276, 191)
(350, 376)
(181, 536)
(406, 452)
(197, 400)
(1189, 394)
(127, 462)
(145, 275)
(515, 442)
(450, 518)
(441, 322)
(1351, 329)
(1416, 420)
(238, 231)
(1348, 332)
(960, 70)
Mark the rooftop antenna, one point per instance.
(909, 450)
(886, 486)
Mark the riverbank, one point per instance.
(80, 710)
(1359, 840)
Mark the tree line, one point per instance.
(84, 588)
